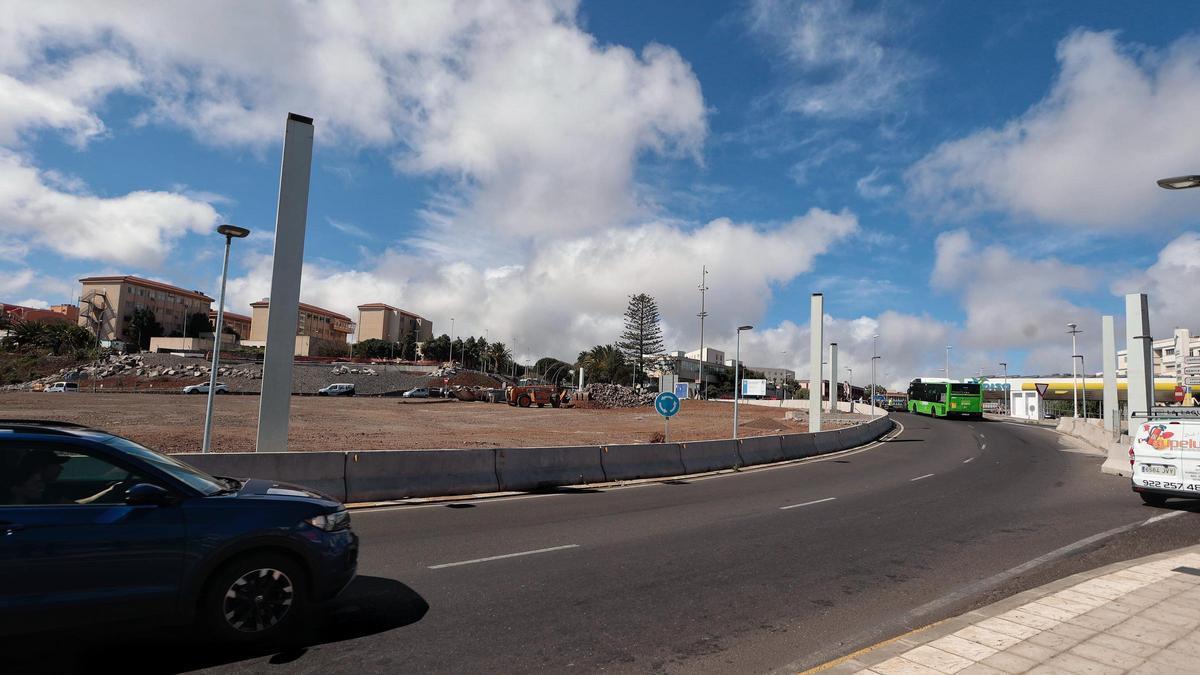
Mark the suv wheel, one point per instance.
(255, 597)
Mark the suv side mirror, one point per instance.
(148, 494)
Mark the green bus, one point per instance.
(939, 397)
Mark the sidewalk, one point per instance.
(1139, 616)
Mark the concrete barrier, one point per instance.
(537, 468)
(701, 456)
(397, 474)
(652, 460)
(798, 446)
(825, 442)
(760, 450)
(322, 471)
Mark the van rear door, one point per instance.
(1189, 454)
(1156, 460)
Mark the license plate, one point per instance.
(1160, 469)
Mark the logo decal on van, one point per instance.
(1158, 437)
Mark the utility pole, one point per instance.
(452, 342)
(1007, 395)
(874, 358)
(1073, 330)
(703, 287)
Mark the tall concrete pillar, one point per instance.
(833, 378)
(816, 329)
(1139, 365)
(291, 219)
(1108, 339)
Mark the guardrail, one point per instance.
(382, 475)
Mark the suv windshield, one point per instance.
(195, 478)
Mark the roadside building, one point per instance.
(775, 375)
(107, 304)
(319, 331)
(379, 321)
(710, 355)
(239, 324)
(55, 314)
(1168, 354)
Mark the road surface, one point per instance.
(780, 568)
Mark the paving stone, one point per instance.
(1017, 630)
(1121, 644)
(1072, 631)
(1107, 655)
(1050, 612)
(1009, 663)
(1033, 651)
(1099, 619)
(900, 666)
(1033, 620)
(1180, 663)
(980, 669)
(1066, 604)
(1055, 641)
(1141, 629)
(1082, 598)
(1188, 644)
(1077, 664)
(943, 662)
(987, 637)
(964, 648)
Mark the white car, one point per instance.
(202, 388)
(63, 387)
(338, 389)
(1165, 457)
(416, 392)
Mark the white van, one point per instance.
(1165, 457)
(63, 387)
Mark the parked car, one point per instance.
(202, 388)
(416, 392)
(63, 387)
(98, 528)
(339, 389)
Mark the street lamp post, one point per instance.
(229, 232)
(948, 348)
(451, 342)
(737, 370)
(1007, 396)
(874, 358)
(850, 383)
(1073, 331)
(783, 390)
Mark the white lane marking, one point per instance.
(928, 475)
(968, 460)
(501, 557)
(796, 506)
(1164, 516)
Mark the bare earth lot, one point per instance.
(173, 423)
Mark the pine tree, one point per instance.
(642, 337)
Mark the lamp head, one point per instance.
(1179, 182)
(745, 327)
(233, 231)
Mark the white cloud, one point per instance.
(348, 228)
(504, 98)
(1172, 285)
(1117, 118)
(846, 62)
(871, 187)
(34, 303)
(570, 293)
(138, 228)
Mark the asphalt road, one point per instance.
(774, 569)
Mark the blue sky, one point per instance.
(974, 174)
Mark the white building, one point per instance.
(775, 374)
(711, 355)
(1165, 353)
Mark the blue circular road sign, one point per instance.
(667, 404)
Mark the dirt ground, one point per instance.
(175, 423)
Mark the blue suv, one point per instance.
(94, 527)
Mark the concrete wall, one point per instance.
(383, 475)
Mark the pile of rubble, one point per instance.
(616, 396)
(347, 370)
(144, 366)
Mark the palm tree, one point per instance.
(604, 363)
(499, 357)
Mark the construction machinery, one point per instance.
(540, 395)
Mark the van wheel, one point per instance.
(256, 597)
(1153, 499)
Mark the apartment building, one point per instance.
(315, 322)
(379, 321)
(107, 304)
(238, 323)
(775, 374)
(1169, 355)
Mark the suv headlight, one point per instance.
(330, 522)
